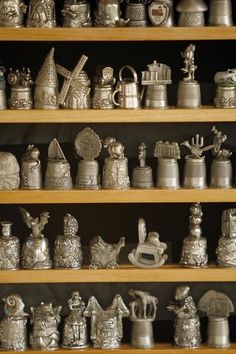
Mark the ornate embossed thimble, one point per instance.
(9, 248)
(225, 96)
(42, 13)
(142, 174)
(31, 171)
(76, 13)
(21, 95)
(191, 13)
(220, 13)
(136, 13)
(12, 13)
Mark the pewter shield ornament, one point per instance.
(158, 12)
(88, 144)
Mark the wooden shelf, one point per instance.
(118, 34)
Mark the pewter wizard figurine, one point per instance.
(136, 13)
(76, 13)
(107, 14)
(218, 307)
(143, 311)
(9, 171)
(191, 13)
(103, 88)
(189, 93)
(161, 13)
(9, 248)
(3, 99)
(225, 96)
(88, 145)
(68, 252)
(41, 13)
(12, 13)
(35, 252)
(13, 335)
(187, 324)
(142, 174)
(75, 327)
(31, 171)
(220, 13)
(194, 250)
(21, 95)
(106, 325)
(150, 252)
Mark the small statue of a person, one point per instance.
(41, 13)
(9, 248)
(31, 171)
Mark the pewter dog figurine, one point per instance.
(142, 174)
(9, 248)
(20, 95)
(31, 171)
(41, 13)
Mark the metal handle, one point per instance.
(135, 76)
(113, 98)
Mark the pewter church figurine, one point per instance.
(161, 13)
(20, 95)
(142, 174)
(115, 169)
(187, 324)
(88, 145)
(225, 96)
(31, 171)
(220, 13)
(106, 325)
(143, 311)
(9, 171)
(191, 13)
(3, 99)
(35, 251)
(103, 88)
(136, 13)
(150, 252)
(12, 13)
(218, 307)
(75, 327)
(13, 335)
(107, 14)
(194, 250)
(189, 93)
(41, 14)
(68, 252)
(9, 248)
(76, 13)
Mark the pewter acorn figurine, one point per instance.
(41, 13)
(31, 171)
(20, 95)
(161, 13)
(9, 248)
(225, 96)
(76, 13)
(12, 13)
(191, 13)
(142, 174)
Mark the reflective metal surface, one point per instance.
(220, 13)
(9, 248)
(161, 13)
(12, 13)
(225, 96)
(191, 13)
(41, 14)
(76, 13)
(108, 14)
(103, 88)
(31, 171)
(142, 174)
(9, 171)
(136, 13)
(20, 95)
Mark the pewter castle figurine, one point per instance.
(68, 252)
(143, 311)
(41, 14)
(194, 250)
(150, 251)
(220, 13)
(13, 334)
(142, 174)
(9, 248)
(218, 307)
(105, 255)
(106, 325)
(161, 13)
(9, 171)
(31, 171)
(88, 145)
(191, 13)
(75, 327)
(12, 13)
(187, 324)
(35, 252)
(136, 13)
(45, 319)
(225, 89)
(103, 88)
(20, 82)
(3, 100)
(107, 14)
(76, 13)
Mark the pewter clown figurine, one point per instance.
(31, 170)
(142, 174)
(41, 13)
(20, 95)
(225, 96)
(76, 13)
(12, 13)
(161, 13)
(9, 248)
(107, 14)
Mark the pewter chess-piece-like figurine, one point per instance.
(76, 13)
(35, 251)
(218, 307)
(31, 170)
(75, 327)
(221, 168)
(41, 13)
(88, 145)
(12, 13)
(194, 250)
(161, 13)
(13, 334)
(20, 95)
(105, 255)
(68, 252)
(106, 324)
(187, 323)
(103, 88)
(143, 311)
(225, 96)
(191, 13)
(220, 13)
(168, 155)
(136, 13)
(9, 248)
(9, 171)
(107, 14)
(142, 174)
(45, 319)
(150, 252)
(3, 99)
(115, 169)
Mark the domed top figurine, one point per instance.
(191, 13)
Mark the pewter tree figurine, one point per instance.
(142, 174)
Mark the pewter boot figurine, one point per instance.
(225, 89)
(41, 14)
(187, 324)
(161, 13)
(13, 335)
(103, 88)
(3, 100)
(142, 174)
(220, 13)
(106, 325)
(31, 172)
(21, 95)
(194, 251)
(12, 13)
(191, 13)
(68, 252)
(75, 327)
(218, 307)
(136, 13)
(107, 14)
(76, 13)
(9, 248)
(143, 311)
(9, 171)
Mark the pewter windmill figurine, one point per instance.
(142, 174)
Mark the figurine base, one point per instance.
(168, 174)
(221, 174)
(58, 175)
(142, 334)
(187, 332)
(218, 332)
(74, 347)
(194, 173)
(142, 177)
(88, 175)
(189, 94)
(225, 97)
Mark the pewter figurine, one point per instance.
(35, 252)
(3, 99)
(31, 171)
(220, 13)
(9, 171)
(12, 13)
(142, 174)
(161, 13)
(107, 14)
(88, 145)
(103, 88)
(136, 13)
(76, 13)
(13, 335)
(68, 252)
(21, 95)
(115, 169)
(41, 13)
(75, 327)
(168, 155)
(143, 311)
(194, 250)
(106, 325)
(9, 248)
(187, 324)
(225, 89)
(150, 252)
(105, 255)
(191, 13)
(45, 319)
(218, 307)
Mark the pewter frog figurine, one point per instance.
(41, 13)
(31, 171)
(9, 248)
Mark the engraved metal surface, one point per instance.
(9, 171)
(41, 13)
(108, 14)
(20, 95)
(161, 13)
(12, 13)
(9, 248)
(142, 174)
(220, 13)
(31, 171)
(76, 13)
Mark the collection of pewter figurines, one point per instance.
(107, 13)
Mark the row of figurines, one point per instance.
(106, 93)
(149, 253)
(106, 324)
(107, 13)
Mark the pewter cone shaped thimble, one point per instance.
(221, 174)
(194, 173)
(218, 332)
(142, 334)
(168, 174)
(220, 13)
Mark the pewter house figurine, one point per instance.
(9, 248)
(31, 171)
(142, 174)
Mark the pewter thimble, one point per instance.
(191, 13)
(189, 95)
(142, 334)
(218, 332)
(225, 97)
(168, 174)
(88, 175)
(142, 177)
(221, 174)
(220, 13)
(137, 14)
(156, 96)
(194, 173)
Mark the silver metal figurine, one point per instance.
(161, 13)
(225, 96)
(194, 250)
(108, 14)
(142, 174)
(220, 13)
(35, 251)
(13, 335)
(150, 252)
(9, 248)
(31, 170)
(9, 171)
(76, 13)
(12, 13)
(106, 324)
(187, 323)
(103, 88)
(143, 311)
(3, 99)
(41, 13)
(136, 13)
(75, 327)
(191, 13)
(20, 95)
(218, 307)
(68, 252)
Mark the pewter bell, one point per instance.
(12, 13)
(20, 82)
(142, 174)
(76, 13)
(191, 13)
(220, 13)
(225, 96)
(161, 13)
(9, 248)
